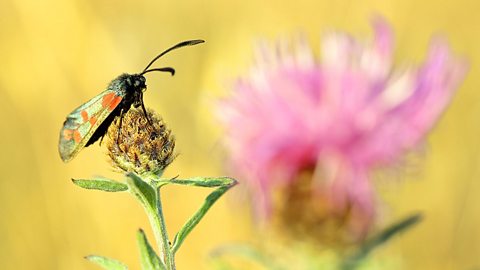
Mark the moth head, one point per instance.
(136, 83)
(135, 86)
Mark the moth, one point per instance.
(90, 121)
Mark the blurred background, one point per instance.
(57, 54)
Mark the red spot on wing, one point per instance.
(93, 120)
(111, 101)
(67, 134)
(107, 99)
(84, 116)
(115, 102)
(76, 136)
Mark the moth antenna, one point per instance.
(165, 69)
(179, 45)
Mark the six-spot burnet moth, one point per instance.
(89, 122)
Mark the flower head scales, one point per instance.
(137, 145)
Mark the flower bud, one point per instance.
(135, 145)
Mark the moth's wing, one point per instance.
(83, 121)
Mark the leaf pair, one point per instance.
(148, 194)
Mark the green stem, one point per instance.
(156, 225)
(162, 239)
(149, 196)
(147, 190)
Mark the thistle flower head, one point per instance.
(138, 146)
(339, 116)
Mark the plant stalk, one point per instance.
(161, 234)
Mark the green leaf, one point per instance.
(148, 257)
(205, 181)
(107, 263)
(142, 190)
(354, 260)
(224, 184)
(196, 181)
(101, 184)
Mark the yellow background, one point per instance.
(56, 54)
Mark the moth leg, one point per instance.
(101, 140)
(120, 125)
(145, 112)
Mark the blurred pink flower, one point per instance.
(343, 115)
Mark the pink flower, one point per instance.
(343, 115)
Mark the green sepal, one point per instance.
(107, 185)
(148, 258)
(375, 241)
(223, 184)
(107, 263)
